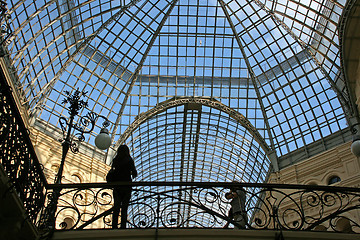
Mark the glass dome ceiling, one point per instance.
(201, 90)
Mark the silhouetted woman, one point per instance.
(124, 168)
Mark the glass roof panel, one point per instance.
(277, 63)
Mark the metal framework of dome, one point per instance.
(200, 90)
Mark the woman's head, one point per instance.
(123, 150)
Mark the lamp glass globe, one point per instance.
(355, 148)
(103, 140)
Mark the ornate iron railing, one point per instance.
(203, 205)
(17, 155)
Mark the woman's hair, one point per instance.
(123, 150)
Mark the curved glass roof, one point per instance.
(201, 90)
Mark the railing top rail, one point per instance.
(207, 184)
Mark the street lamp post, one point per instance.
(85, 125)
(73, 133)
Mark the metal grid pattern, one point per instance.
(275, 62)
(204, 144)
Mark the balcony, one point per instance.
(199, 210)
(160, 210)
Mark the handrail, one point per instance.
(204, 184)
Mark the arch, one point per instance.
(77, 177)
(188, 139)
(205, 101)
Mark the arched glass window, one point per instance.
(334, 179)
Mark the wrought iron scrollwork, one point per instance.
(17, 155)
(5, 31)
(73, 133)
(163, 205)
(84, 125)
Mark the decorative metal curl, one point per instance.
(17, 155)
(6, 31)
(76, 104)
(206, 207)
(84, 125)
(145, 219)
